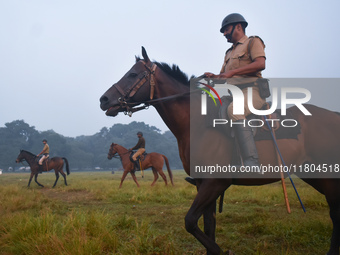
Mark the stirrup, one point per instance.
(190, 180)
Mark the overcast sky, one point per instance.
(58, 57)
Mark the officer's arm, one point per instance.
(257, 65)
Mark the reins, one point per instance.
(119, 156)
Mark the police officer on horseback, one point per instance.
(45, 154)
(242, 67)
(140, 147)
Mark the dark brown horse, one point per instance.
(318, 143)
(56, 163)
(154, 160)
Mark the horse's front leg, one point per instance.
(123, 178)
(209, 217)
(209, 190)
(134, 178)
(29, 181)
(36, 180)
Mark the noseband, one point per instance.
(144, 77)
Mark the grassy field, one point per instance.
(93, 216)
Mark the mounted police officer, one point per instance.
(242, 67)
(45, 154)
(140, 147)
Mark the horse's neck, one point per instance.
(30, 158)
(121, 151)
(175, 112)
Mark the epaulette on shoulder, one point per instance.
(255, 36)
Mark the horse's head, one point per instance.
(20, 157)
(134, 88)
(112, 151)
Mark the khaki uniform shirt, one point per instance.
(46, 149)
(240, 55)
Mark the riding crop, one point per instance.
(278, 151)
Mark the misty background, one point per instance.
(58, 57)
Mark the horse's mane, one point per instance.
(29, 153)
(116, 144)
(174, 71)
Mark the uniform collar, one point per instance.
(242, 40)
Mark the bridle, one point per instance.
(144, 77)
(147, 76)
(114, 153)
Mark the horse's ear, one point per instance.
(145, 55)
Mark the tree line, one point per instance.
(84, 152)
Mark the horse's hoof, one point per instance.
(229, 252)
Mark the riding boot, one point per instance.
(40, 169)
(245, 138)
(137, 165)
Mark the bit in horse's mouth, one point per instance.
(113, 110)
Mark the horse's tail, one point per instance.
(67, 167)
(169, 170)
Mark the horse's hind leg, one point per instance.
(36, 180)
(56, 178)
(334, 206)
(335, 241)
(64, 175)
(163, 176)
(155, 176)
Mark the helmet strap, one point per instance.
(229, 36)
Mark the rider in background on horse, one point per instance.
(140, 147)
(45, 154)
(242, 67)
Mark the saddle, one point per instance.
(45, 160)
(261, 132)
(139, 158)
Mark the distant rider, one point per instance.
(140, 147)
(45, 154)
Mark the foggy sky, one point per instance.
(57, 58)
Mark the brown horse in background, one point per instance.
(154, 160)
(318, 142)
(56, 163)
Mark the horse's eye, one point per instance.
(132, 75)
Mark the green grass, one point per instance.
(93, 216)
